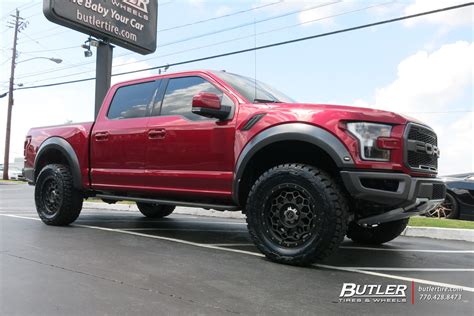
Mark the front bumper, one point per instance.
(401, 194)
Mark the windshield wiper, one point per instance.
(265, 101)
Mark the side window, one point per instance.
(132, 101)
(179, 96)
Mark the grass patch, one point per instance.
(419, 221)
(12, 181)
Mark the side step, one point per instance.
(218, 207)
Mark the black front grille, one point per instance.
(422, 160)
(421, 148)
(439, 191)
(423, 135)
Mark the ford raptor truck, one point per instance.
(305, 175)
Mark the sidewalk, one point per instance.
(179, 210)
(410, 231)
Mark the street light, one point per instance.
(56, 60)
(10, 106)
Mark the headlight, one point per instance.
(367, 134)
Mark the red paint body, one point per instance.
(171, 155)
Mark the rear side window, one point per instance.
(179, 96)
(132, 101)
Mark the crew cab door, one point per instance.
(188, 154)
(119, 138)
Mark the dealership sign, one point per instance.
(130, 24)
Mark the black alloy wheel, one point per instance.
(289, 216)
(57, 201)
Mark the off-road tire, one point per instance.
(155, 210)
(454, 206)
(58, 203)
(311, 191)
(377, 235)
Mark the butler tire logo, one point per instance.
(141, 5)
(373, 293)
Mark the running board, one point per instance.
(218, 207)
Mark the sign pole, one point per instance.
(103, 73)
(130, 24)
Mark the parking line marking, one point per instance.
(324, 266)
(413, 269)
(184, 229)
(407, 250)
(158, 221)
(148, 236)
(9, 209)
(396, 277)
(19, 216)
(232, 245)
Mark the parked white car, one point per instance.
(13, 173)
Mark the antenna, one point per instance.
(255, 55)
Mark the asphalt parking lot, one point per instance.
(122, 263)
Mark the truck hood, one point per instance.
(343, 112)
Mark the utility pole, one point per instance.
(18, 25)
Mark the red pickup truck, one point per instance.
(305, 175)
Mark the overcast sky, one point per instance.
(422, 67)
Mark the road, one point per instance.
(122, 263)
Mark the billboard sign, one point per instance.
(130, 24)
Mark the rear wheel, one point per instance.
(153, 210)
(57, 201)
(376, 235)
(296, 214)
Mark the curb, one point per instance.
(410, 231)
(179, 210)
(440, 233)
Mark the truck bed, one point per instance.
(77, 135)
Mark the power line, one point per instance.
(249, 23)
(59, 27)
(192, 38)
(54, 28)
(33, 40)
(23, 7)
(359, 27)
(222, 16)
(6, 61)
(177, 26)
(182, 40)
(51, 50)
(54, 34)
(261, 33)
(47, 30)
(208, 45)
(217, 31)
(81, 64)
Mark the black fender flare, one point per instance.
(66, 149)
(291, 131)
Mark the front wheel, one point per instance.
(377, 235)
(296, 214)
(153, 210)
(57, 202)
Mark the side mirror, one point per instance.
(209, 105)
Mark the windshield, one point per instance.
(254, 91)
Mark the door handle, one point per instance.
(157, 133)
(101, 136)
